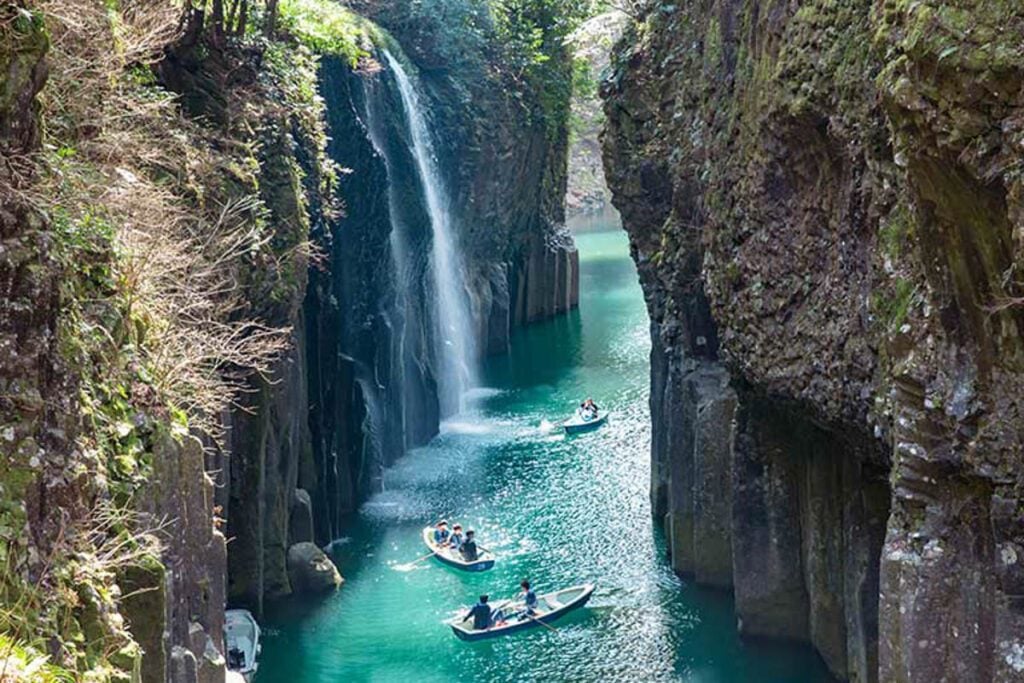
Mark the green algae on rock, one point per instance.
(826, 199)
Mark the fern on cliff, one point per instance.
(20, 662)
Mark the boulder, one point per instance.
(310, 571)
(300, 517)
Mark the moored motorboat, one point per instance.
(579, 423)
(241, 642)
(512, 617)
(483, 562)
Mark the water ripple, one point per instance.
(558, 510)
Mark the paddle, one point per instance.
(419, 559)
(533, 618)
(547, 626)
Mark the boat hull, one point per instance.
(471, 635)
(482, 564)
(242, 634)
(578, 426)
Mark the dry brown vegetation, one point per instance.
(126, 158)
(162, 241)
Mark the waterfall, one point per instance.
(455, 347)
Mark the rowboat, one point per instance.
(511, 619)
(452, 558)
(577, 423)
(242, 642)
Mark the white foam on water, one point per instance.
(396, 506)
(484, 392)
(344, 540)
(472, 425)
(463, 426)
(408, 566)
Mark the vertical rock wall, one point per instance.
(176, 606)
(822, 204)
(363, 368)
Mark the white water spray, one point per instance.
(456, 342)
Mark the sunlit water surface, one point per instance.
(559, 510)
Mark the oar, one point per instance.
(420, 559)
(547, 626)
(533, 618)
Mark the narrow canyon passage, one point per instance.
(557, 510)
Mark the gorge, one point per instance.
(283, 281)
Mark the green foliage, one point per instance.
(520, 42)
(27, 22)
(892, 308)
(584, 89)
(327, 28)
(100, 334)
(895, 233)
(533, 35)
(21, 662)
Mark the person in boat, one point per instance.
(456, 540)
(468, 549)
(588, 409)
(529, 599)
(441, 533)
(236, 659)
(483, 616)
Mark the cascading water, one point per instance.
(456, 347)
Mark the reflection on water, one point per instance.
(557, 510)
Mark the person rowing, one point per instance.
(468, 549)
(482, 614)
(529, 599)
(588, 409)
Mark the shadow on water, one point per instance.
(540, 354)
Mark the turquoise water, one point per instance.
(559, 510)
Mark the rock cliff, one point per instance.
(361, 385)
(587, 191)
(824, 204)
(208, 329)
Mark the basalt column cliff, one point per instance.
(370, 335)
(824, 200)
(220, 298)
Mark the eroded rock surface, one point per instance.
(360, 386)
(824, 200)
(310, 571)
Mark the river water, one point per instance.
(559, 510)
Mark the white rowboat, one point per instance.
(242, 642)
(510, 617)
(453, 558)
(577, 423)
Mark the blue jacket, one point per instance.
(440, 536)
(481, 613)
